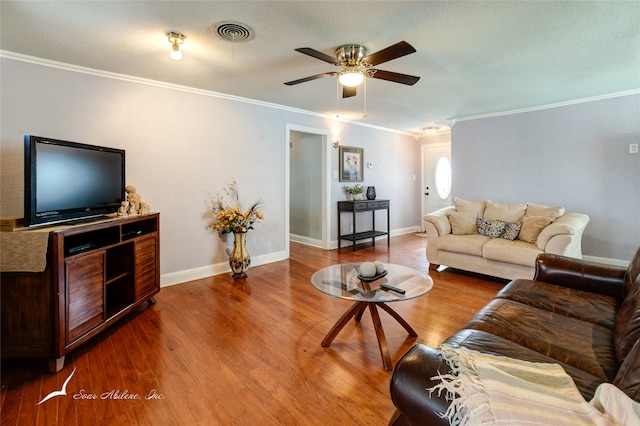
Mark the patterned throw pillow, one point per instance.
(491, 228)
(512, 230)
(495, 228)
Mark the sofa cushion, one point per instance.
(467, 244)
(568, 340)
(465, 206)
(628, 316)
(517, 252)
(463, 223)
(505, 212)
(583, 305)
(628, 377)
(491, 228)
(539, 210)
(532, 226)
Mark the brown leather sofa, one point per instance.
(581, 315)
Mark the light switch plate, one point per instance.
(633, 148)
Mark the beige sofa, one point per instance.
(501, 240)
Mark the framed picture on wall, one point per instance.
(351, 164)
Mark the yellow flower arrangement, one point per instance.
(227, 213)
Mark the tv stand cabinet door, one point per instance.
(146, 266)
(85, 294)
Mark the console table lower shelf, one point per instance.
(362, 206)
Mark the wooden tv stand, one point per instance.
(95, 274)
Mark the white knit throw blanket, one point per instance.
(494, 390)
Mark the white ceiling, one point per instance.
(474, 58)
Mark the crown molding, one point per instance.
(550, 106)
(156, 83)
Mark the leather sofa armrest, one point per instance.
(409, 382)
(580, 274)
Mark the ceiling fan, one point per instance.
(356, 65)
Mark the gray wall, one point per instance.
(575, 155)
(305, 191)
(181, 145)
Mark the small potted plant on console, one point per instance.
(356, 191)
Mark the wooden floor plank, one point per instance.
(217, 351)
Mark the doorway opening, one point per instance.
(308, 219)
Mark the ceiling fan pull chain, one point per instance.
(365, 98)
(337, 98)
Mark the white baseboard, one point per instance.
(607, 261)
(180, 277)
(314, 242)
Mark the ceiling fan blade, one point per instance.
(318, 55)
(313, 77)
(392, 52)
(396, 77)
(348, 92)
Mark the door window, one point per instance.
(443, 177)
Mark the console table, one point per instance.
(354, 207)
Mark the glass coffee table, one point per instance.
(342, 281)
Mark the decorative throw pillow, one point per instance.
(539, 210)
(512, 230)
(505, 212)
(465, 206)
(463, 223)
(532, 226)
(491, 228)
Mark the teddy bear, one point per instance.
(133, 198)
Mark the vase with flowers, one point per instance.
(356, 191)
(229, 217)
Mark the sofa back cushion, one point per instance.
(539, 210)
(505, 212)
(469, 206)
(627, 330)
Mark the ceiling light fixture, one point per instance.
(351, 77)
(176, 39)
(430, 130)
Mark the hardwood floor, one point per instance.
(220, 352)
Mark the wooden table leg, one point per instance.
(363, 307)
(382, 340)
(398, 318)
(344, 319)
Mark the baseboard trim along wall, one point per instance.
(180, 277)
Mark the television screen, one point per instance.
(68, 180)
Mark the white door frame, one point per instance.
(326, 182)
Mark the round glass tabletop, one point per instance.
(342, 281)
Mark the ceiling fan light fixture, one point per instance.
(176, 40)
(351, 78)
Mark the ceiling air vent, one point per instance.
(233, 31)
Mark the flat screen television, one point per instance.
(66, 181)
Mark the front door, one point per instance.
(436, 177)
